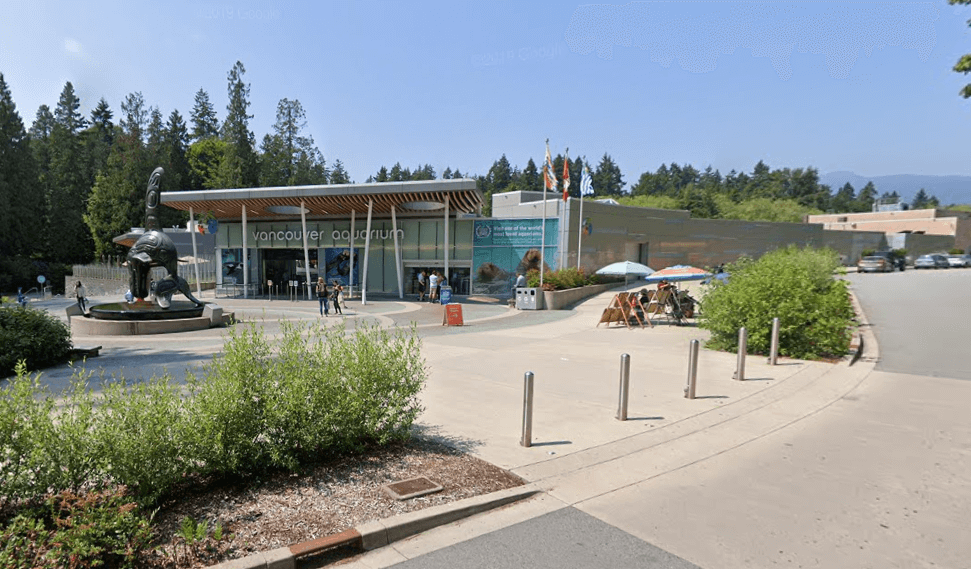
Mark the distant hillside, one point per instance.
(948, 189)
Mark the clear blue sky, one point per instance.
(865, 87)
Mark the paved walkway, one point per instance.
(631, 474)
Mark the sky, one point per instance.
(865, 87)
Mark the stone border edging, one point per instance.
(380, 533)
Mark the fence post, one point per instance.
(742, 349)
(774, 347)
(527, 439)
(624, 387)
(689, 390)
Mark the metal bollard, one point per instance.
(774, 346)
(689, 390)
(624, 387)
(742, 349)
(527, 439)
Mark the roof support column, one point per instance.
(367, 249)
(245, 258)
(448, 244)
(306, 251)
(350, 251)
(397, 254)
(195, 251)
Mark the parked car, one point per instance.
(959, 260)
(932, 262)
(896, 260)
(874, 264)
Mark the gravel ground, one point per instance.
(263, 514)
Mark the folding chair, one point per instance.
(659, 305)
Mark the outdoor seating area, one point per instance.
(635, 309)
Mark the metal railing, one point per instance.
(114, 271)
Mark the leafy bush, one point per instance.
(259, 406)
(70, 530)
(324, 390)
(35, 336)
(561, 279)
(797, 286)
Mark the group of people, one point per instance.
(430, 284)
(330, 295)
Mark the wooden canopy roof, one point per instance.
(424, 198)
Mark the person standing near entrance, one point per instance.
(421, 286)
(432, 286)
(79, 293)
(336, 296)
(322, 297)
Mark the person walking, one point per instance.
(79, 294)
(322, 297)
(421, 286)
(336, 296)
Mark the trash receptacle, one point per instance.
(528, 298)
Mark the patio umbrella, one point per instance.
(626, 268)
(678, 273)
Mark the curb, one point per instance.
(380, 533)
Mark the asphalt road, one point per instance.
(922, 320)
(565, 539)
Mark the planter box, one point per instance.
(564, 299)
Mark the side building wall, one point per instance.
(661, 238)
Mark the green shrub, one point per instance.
(260, 405)
(560, 279)
(45, 446)
(95, 529)
(35, 336)
(323, 390)
(797, 286)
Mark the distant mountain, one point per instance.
(948, 189)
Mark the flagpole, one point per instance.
(564, 230)
(542, 245)
(580, 226)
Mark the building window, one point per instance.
(841, 219)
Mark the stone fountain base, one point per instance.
(138, 318)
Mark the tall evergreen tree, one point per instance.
(290, 158)
(40, 146)
(21, 215)
(118, 197)
(920, 200)
(866, 197)
(175, 149)
(844, 199)
(134, 116)
(203, 117)
(242, 161)
(338, 175)
(531, 179)
(423, 172)
(69, 188)
(607, 179)
(98, 139)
